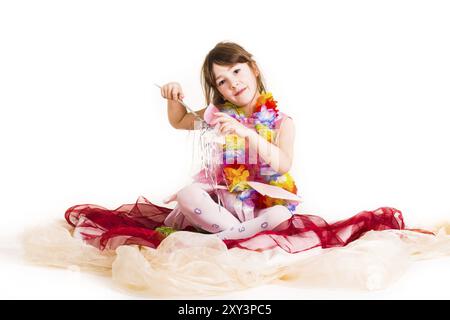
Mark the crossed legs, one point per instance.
(202, 211)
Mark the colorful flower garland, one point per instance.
(237, 174)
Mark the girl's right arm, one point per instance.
(178, 116)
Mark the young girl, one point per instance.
(251, 123)
(249, 199)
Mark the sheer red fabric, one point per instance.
(136, 224)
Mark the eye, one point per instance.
(221, 82)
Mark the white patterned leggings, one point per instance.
(203, 212)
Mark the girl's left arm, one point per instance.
(280, 155)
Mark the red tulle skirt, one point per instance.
(140, 224)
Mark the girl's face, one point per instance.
(237, 83)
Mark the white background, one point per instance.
(367, 83)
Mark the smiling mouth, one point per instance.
(239, 92)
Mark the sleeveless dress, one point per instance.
(245, 202)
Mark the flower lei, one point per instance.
(237, 175)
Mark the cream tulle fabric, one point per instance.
(188, 263)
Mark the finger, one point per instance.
(216, 121)
(221, 126)
(174, 93)
(220, 120)
(167, 91)
(177, 93)
(229, 131)
(226, 127)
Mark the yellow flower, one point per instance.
(264, 131)
(234, 142)
(270, 202)
(237, 178)
(286, 182)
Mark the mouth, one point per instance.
(239, 92)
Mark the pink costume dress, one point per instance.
(239, 216)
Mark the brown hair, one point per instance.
(225, 54)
